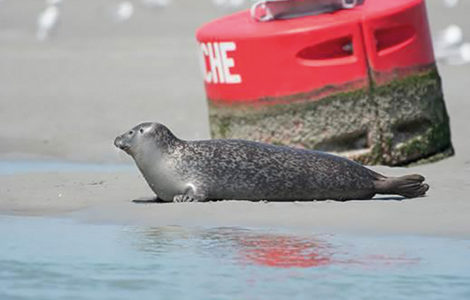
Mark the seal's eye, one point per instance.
(131, 132)
(141, 130)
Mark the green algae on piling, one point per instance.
(397, 119)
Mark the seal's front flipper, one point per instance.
(191, 194)
(148, 200)
(409, 186)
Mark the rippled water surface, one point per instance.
(44, 258)
(28, 166)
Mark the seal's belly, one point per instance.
(164, 183)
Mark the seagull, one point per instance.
(451, 3)
(449, 37)
(124, 11)
(48, 19)
(449, 46)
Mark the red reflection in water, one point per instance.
(292, 252)
(284, 251)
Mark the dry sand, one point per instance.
(68, 98)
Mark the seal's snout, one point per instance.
(118, 142)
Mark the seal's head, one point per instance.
(145, 136)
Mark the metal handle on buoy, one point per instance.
(267, 12)
(348, 4)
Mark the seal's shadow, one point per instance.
(156, 200)
(388, 198)
(149, 200)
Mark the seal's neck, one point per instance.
(156, 165)
(156, 152)
(148, 154)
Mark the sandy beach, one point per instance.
(107, 197)
(67, 98)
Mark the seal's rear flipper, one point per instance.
(409, 186)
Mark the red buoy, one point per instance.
(339, 66)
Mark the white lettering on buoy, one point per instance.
(219, 62)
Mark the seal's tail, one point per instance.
(409, 186)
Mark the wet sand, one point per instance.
(67, 99)
(107, 197)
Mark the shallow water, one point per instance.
(27, 166)
(42, 258)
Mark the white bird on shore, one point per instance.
(48, 19)
(124, 11)
(451, 3)
(449, 47)
(451, 36)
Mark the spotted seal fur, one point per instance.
(186, 171)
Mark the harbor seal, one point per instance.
(186, 171)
